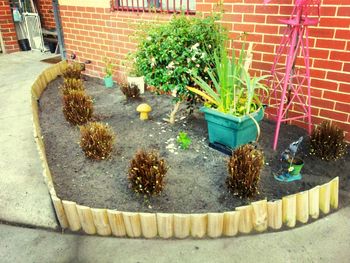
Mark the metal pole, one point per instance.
(60, 39)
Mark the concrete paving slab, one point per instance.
(24, 196)
(325, 240)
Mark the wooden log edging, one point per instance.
(256, 217)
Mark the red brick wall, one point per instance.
(46, 14)
(93, 33)
(7, 27)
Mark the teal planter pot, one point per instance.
(230, 131)
(108, 82)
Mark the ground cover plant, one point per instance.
(147, 173)
(97, 140)
(327, 142)
(131, 91)
(73, 71)
(71, 84)
(244, 168)
(77, 107)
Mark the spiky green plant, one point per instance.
(96, 140)
(232, 90)
(327, 142)
(244, 169)
(146, 173)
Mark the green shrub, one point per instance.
(327, 142)
(96, 140)
(146, 173)
(77, 107)
(169, 54)
(244, 168)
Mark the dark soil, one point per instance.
(195, 181)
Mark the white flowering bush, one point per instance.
(170, 54)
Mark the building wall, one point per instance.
(46, 14)
(92, 31)
(7, 28)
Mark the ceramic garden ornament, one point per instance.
(294, 164)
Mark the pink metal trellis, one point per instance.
(287, 82)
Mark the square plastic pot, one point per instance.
(108, 81)
(230, 131)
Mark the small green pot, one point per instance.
(297, 165)
(108, 81)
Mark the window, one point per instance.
(168, 6)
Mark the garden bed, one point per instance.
(195, 181)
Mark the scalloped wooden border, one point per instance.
(257, 217)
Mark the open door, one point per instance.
(2, 46)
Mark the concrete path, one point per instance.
(326, 240)
(24, 195)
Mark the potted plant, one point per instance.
(232, 109)
(108, 78)
(294, 164)
(135, 78)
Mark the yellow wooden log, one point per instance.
(165, 223)
(61, 216)
(36, 89)
(132, 224)
(314, 202)
(334, 193)
(86, 220)
(289, 210)
(71, 212)
(260, 215)
(231, 222)
(215, 224)
(245, 219)
(199, 225)
(148, 225)
(325, 197)
(101, 221)
(182, 225)
(49, 182)
(116, 222)
(302, 206)
(274, 214)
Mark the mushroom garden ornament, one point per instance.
(144, 109)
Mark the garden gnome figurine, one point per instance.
(294, 164)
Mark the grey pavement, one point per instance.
(325, 240)
(24, 196)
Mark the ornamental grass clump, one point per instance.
(327, 142)
(146, 173)
(97, 140)
(77, 107)
(71, 84)
(131, 91)
(244, 169)
(73, 71)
